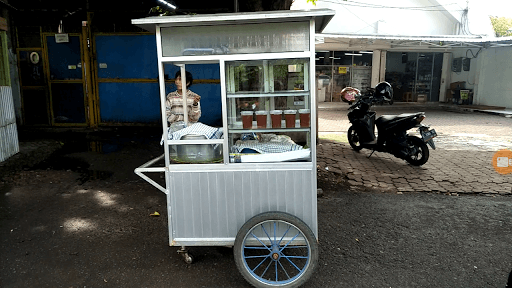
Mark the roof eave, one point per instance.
(321, 16)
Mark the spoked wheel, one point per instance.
(276, 249)
(418, 151)
(353, 139)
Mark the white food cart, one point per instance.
(250, 183)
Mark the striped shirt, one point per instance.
(174, 107)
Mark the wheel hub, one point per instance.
(275, 256)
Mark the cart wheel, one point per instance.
(276, 249)
(188, 258)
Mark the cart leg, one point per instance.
(187, 257)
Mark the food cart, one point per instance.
(250, 183)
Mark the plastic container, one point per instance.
(261, 119)
(305, 118)
(276, 118)
(289, 116)
(247, 119)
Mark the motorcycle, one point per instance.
(392, 129)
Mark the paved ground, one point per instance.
(82, 219)
(462, 162)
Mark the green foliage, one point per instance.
(502, 26)
(161, 12)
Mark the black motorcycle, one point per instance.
(392, 129)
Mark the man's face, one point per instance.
(178, 82)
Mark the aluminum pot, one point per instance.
(198, 153)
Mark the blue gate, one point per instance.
(127, 75)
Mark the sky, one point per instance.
(478, 16)
(500, 8)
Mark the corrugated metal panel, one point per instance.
(214, 205)
(8, 131)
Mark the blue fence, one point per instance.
(123, 57)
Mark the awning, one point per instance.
(347, 42)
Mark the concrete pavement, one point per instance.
(461, 164)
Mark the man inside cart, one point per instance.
(174, 110)
(174, 104)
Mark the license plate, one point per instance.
(428, 135)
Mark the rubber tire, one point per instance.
(416, 142)
(275, 216)
(356, 145)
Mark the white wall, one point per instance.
(389, 21)
(467, 76)
(495, 77)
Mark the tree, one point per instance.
(502, 26)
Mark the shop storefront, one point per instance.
(414, 76)
(419, 68)
(336, 70)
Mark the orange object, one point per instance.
(289, 116)
(305, 117)
(276, 118)
(247, 119)
(261, 119)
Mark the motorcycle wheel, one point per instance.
(353, 139)
(418, 151)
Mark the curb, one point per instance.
(471, 110)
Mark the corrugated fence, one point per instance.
(8, 131)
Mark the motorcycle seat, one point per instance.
(389, 118)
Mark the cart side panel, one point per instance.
(213, 205)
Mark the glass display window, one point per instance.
(195, 132)
(269, 110)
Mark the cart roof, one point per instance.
(321, 16)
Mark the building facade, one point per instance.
(428, 50)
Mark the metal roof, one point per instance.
(321, 16)
(335, 42)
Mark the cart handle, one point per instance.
(145, 168)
